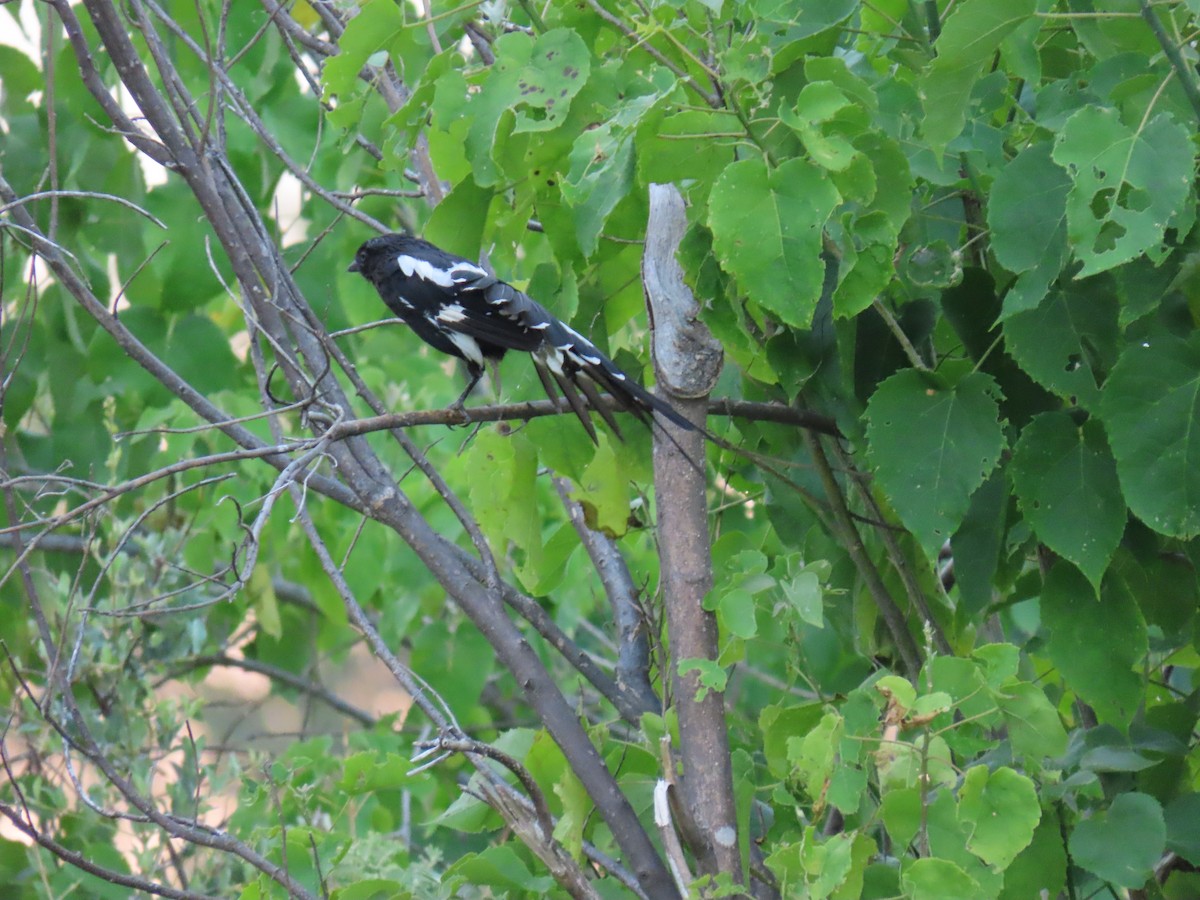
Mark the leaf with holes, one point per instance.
(1126, 184)
(1067, 343)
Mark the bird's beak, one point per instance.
(353, 267)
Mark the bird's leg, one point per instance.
(476, 372)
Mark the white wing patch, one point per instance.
(465, 271)
(451, 314)
(424, 270)
(468, 345)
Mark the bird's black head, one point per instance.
(376, 255)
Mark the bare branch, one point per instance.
(706, 785)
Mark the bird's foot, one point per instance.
(459, 408)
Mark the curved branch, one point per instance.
(84, 864)
(633, 642)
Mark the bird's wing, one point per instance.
(497, 313)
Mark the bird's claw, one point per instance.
(459, 407)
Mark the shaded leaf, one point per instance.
(932, 445)
(1123, 843)
(1150, 405)
(1095, 643)
(1064, 344)
(1066, 482)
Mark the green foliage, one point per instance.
(972, 243)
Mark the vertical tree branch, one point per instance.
(688, 361)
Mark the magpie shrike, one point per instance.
(457, 307)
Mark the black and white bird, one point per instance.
(457, 307)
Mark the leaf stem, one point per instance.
(534, 16)
(1173, 55)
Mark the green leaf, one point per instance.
(969, 39)
(778, 724)
(266, 606)
(794, 22)
(867, 266)
(603, 492)
(1123, 843)
(830, 861)
(937, 879)
(1027, 215)
(374, 889)
(363, 773)
(1150, 405)
(1065, 343)
(1040, 870)
(805, 595)
(711, 674)
(766, 226)
(1027, 210)
(601, 174)
(818, 103)
(899, 691)
(542, 84)
(901, 811)
(1034, 727)
(577, 805)
(457, 223)
(695, 143)
(932, 445)
(1001, 808)
(1126, 184)
(812, 756)
(504, 495)
(962, 680)
(528, 89)
(1066, 483)
(977, 542)
(1095, 643)
(499, 867)
(375, 24)
(1183, 827)
(735, 612)
(199, 352)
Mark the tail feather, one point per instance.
(593, 398)
(636, 398)
(568, 391)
